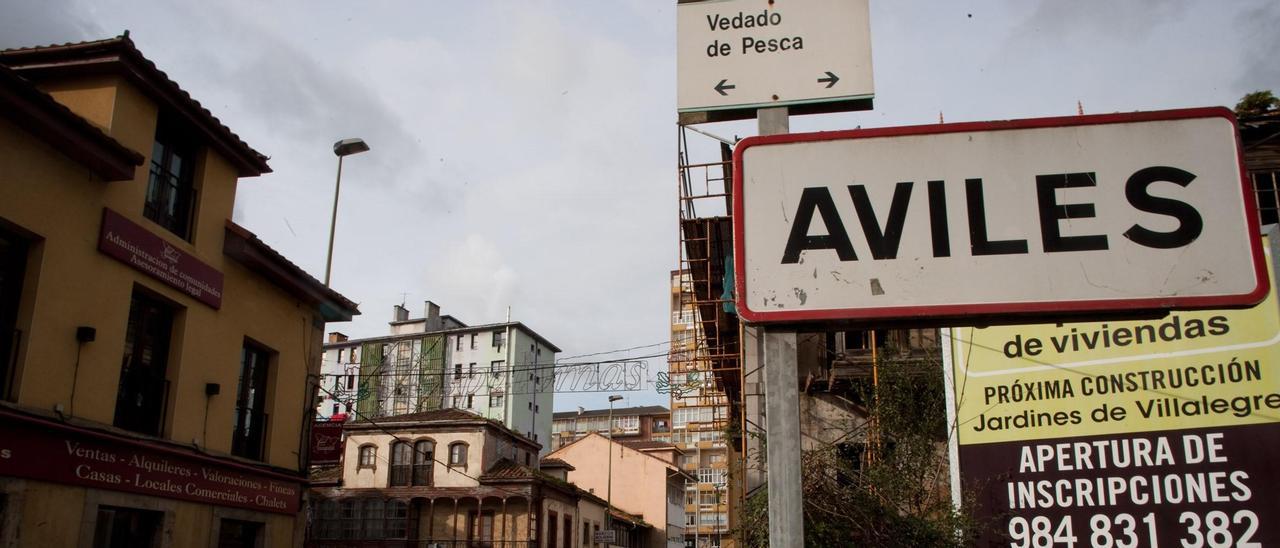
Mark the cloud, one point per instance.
(474, 278)
(1256, 28)
(28, 24)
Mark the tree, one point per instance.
(1257, 103)
(890, 488)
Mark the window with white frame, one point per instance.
(626, 424)
(707, 499)
(711, 475)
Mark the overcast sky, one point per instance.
(524, 152)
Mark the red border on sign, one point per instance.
(953, 310)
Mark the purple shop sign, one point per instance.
(150, 254)
(326, 442)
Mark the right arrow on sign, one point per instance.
(831, 79)
(723, 86)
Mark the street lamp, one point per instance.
(345, 147)
(608, 514)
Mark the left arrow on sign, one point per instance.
(723, 86)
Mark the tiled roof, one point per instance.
(556, 463)
(507, 469)
(617, 412)
(436, 417)
(321, 475)
(246, 247)
(644, 445)
(447, 414)
(120, 51)
(40, 114)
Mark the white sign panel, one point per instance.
(1086, 213)
(734, 54)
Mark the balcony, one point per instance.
(141, 404)
(249, 438)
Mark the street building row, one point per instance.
(450, 477)
(503, 371)
(155, 356)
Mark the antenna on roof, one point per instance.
(126, 34)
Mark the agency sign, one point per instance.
(743, 54)
(1124, 433)
(326, 442)
(47, 451)
(131, 244)
(1087, 213)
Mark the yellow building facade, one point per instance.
(157, 361)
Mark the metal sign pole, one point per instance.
(782, 407)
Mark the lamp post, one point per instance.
(345, 147)
(608, 513)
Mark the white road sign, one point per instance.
(1085, 213)
(734, 54)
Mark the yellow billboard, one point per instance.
(1186, 370)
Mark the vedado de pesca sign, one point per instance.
(750, 44)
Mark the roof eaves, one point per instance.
(121, 55)
(245, 247)
(46, 118)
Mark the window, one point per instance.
(234, 533)
(470, 401)
(457, 342)
(496, 367)
(361, 519)
(495, 400)
(13, 266)
(480, 530)
(119, 527)
(626, 424)
(351, 382)
(401, 464)
(551, 528)
(457, 402)
(249, 436)
(368, 456)
(457, 371)
(690, 497)
(397, 516)
(586, 533)
(143, 389)
(424, 460)
(473, 341)
(690, 520)
(458, 454)
(711, 475)
(568, 531)
(170, 185)
(335, 410)
(717, 458)
(499, 339)
(471, 370)
(707, 499)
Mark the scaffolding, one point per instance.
(706, 360)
